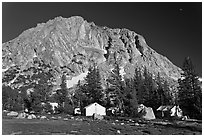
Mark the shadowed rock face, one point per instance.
(71, 45)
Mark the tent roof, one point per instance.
(165, 108)
(92, 104)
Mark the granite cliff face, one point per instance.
(71, 45)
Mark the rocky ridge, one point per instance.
(71, 45)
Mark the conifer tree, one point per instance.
(167, 98)
(138, 85)
(163, 96)
(117, 86)
(81, 99)
(93, 85)
(160, 90)
(130, 101)
(62, 93)
(190, 93)
(147, 88)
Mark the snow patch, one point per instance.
(74, 80)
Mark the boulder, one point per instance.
(33, 116)
(5, 111)
(54, 118)
(30, 117)
(12, 113)
(65, 119)
(118, 131)
(21, 115)
(72, 117)
(43, 117)
(38, 117)
(97, 116)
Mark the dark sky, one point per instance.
(172, 29)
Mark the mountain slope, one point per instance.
(71, 45)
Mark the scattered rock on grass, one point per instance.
(72, 117)
(118, 131)
(32, 116)
(136, 124)
(65, 119)
(29, 117)
(54, 118)
(5, 111)
(21, 115)
(12, 113)
(43, 117)
(73, 131)
(16, 133)
(97, 117)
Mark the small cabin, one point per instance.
(94, 108)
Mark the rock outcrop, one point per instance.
(71, 45)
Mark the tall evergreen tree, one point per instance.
(117, 85)
(130, 101)
(138, 84)
(160, 90)
(93, 85)
(163, 95)
(190, 93)
(62, 93)
(148, 89)
(80, 97)
(167, 98)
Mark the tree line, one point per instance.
(124, 94)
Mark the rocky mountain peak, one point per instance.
(72, 45)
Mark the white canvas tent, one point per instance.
(173, 110)
(176, 111)
(149, 113)
(94, 108)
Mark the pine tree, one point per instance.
(163, 95)
(116, 86)
(130, 101)
(190, 93)
(160, 90)
(93, 85)
(167, 98)
(80, 97)
(62, 93)
(147, 88)
(138, 85)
